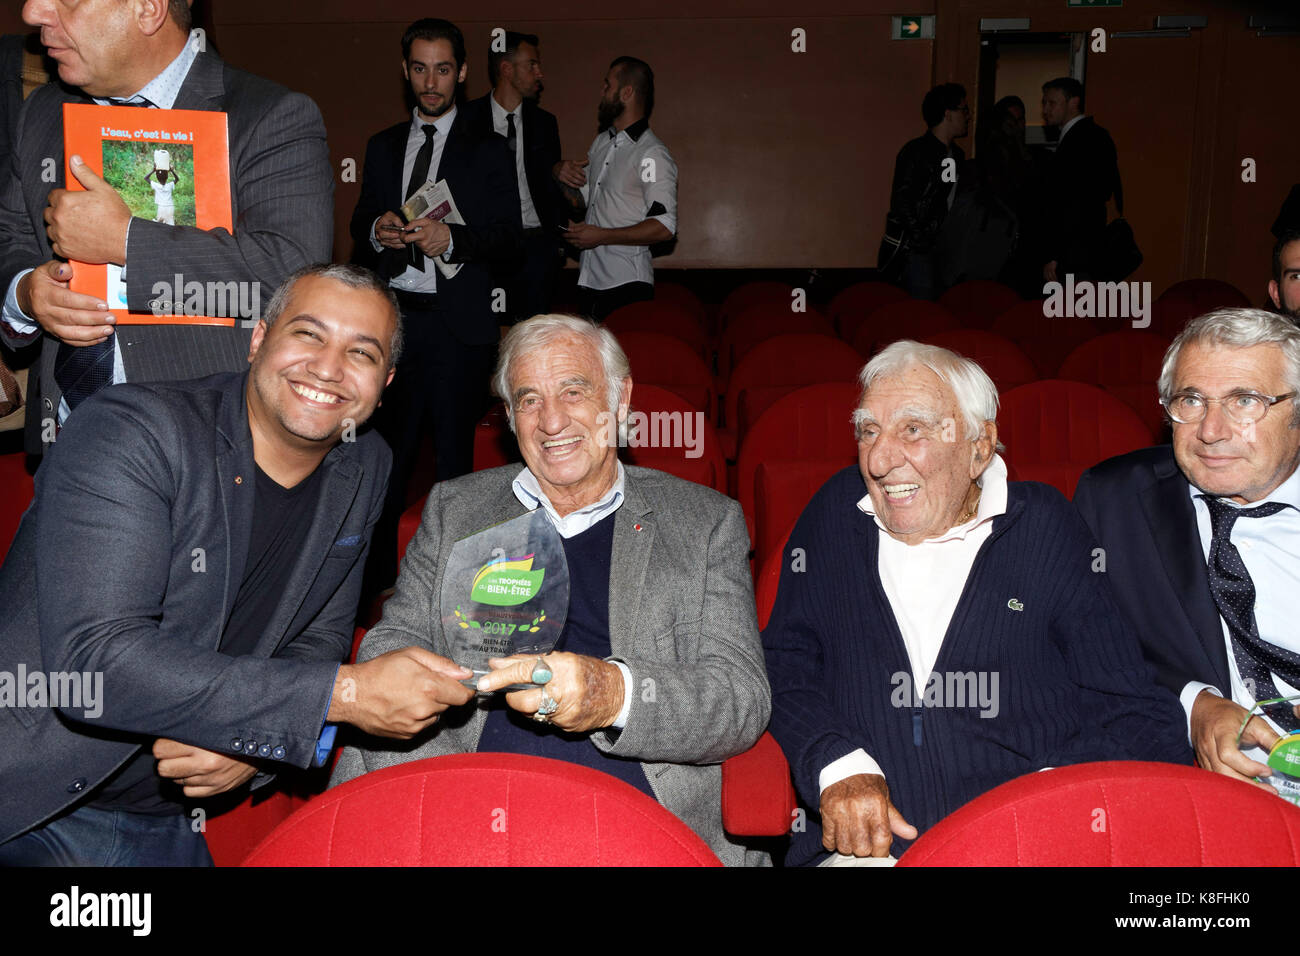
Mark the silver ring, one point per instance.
(542, 672)
(548, 706)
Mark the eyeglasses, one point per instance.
(1243, 406)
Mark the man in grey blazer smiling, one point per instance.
(658, 675)
(141, 53)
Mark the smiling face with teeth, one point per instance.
(322, 363)
(919, 467)
(559, 398)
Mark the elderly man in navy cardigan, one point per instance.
(940, 631)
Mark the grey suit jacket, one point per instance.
(128, 563)
(282, 208)
(681, 617)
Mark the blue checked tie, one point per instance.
(1234, 593)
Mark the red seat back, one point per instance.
(1047, 341)
(662, 318)
(1003, 360)
(1117, 813)
(494, 442)
(483, 809)
(766, 292)
(673, 293)
(851, 307)
(1126, 364)
(780, 365)
(1055, 430)
(1206, 294)
(908, 319)
(669, 363)
(758, 323)
(668, 433)
(977, 302)
(19, 489)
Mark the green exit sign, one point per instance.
(913, 28)
(1094, 3)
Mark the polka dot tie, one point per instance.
(1234, 593)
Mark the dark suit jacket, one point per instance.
(282, 207)
(1141, 513)
(128, 563)
(482, 181)
(1085, 175)
(541, 137)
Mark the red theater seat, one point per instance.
(494, 442)
(1003, 360)
(669, 363)
(851, 307)
(1126, 364)
(758, 323)
(663, 318)
(977, 302)
(1117, 813)
(669, 420)
(673, 293)
(779, 366)
(19, 488)
(1047, 341)
(1055, 430)
(908, 319)
(782, 489)
(483, 810)
(779, 294)
(232, 834)
(1206, 294)
(807, 427)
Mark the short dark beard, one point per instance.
(607, 112)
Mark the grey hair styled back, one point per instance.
(1237, 328)
(539, 332)
(977, 396)
(355, 277)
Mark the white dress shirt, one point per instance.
(618, 195)
(413, 280)
(1270, 549)
(18, 328)
(499, 123)
(923, 583)
(531, 496)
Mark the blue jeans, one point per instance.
(92, 837)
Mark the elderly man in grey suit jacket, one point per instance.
(181, 592)
(658, 675)
(281, 193)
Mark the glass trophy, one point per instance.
(1284, 756)
(505, 591)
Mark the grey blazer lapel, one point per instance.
(628, 564)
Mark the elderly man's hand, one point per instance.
(88, 226)
(588, 691)
(1215, 722)
(858, 819)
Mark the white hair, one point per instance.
(539, 332)
(977, 396)
(1239, 329)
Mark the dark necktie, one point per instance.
(512, 135)
(1234, 593)
(419, 176)
(81, 371)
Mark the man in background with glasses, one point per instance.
(1201, 540)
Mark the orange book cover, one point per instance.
(170, 166)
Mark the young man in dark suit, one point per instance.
(532, 137)
(441, 273)
(1085, 173)
(185, 584)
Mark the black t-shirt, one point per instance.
(282, 518)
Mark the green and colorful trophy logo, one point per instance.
(507, 582)
(505, 591)
(1284, 756)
